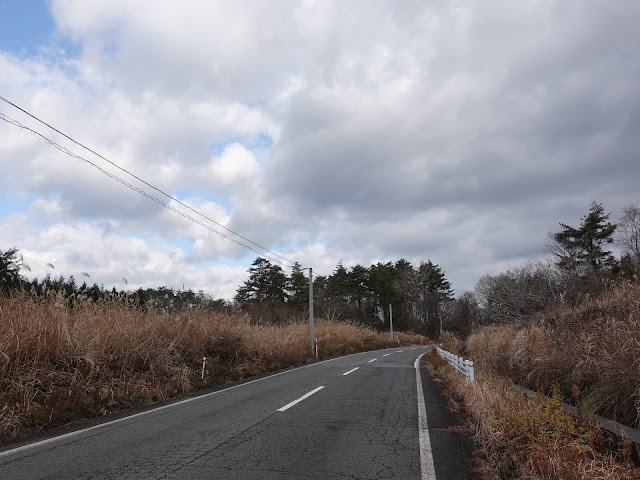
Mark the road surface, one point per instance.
(354, 417)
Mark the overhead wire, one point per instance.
(157, 200)
(68, 152)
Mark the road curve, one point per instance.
(353, 417)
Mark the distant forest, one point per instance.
(420, 296)
(362, 295)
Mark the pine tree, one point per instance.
(266, 282)
(298, 286)
(9, 269)
(581, 247)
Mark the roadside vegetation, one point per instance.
(532, 437)
(63, 359)
(567, 327)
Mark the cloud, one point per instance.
(325, 131)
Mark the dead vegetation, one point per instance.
(587, 354)
(532, 437)
(594, 346)
(64, 359)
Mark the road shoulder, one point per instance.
(451, 441)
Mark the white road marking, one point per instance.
(426, 456)
(399, 351)
(350, 371)
(386, 354)
(289, 405)
(163, 407)
(372, 360)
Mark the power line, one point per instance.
(68, 152)
(18, 124)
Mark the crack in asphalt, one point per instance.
(377, 426)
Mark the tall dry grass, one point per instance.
(61, 359)
(594, 346)
(532, 437)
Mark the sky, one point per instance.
(460, 132)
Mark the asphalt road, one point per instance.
(354, 417)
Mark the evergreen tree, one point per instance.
(336, 301)
(338, 284)
(357, 280)
(380, 282)
(266, 282)
(581, 247)
(9, 269)
(298, 287)
(432, 280)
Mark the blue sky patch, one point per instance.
(10, 203)
(253, 142)
(184, 194)
(25, 25)
(27, 29)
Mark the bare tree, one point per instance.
(628, 232)
(520, 292)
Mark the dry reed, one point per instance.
(66, 359)
(531, 437)
(594, 346)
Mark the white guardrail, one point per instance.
(464, 366)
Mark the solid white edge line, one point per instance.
(174, 404)
(291, 404)
(426, 456)
(350, 371)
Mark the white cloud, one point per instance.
(325, 131)
(236, 164)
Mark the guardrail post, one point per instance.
(472, 374)
(464, 366)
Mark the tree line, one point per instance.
(419, 296)
(361, 294)
(580, 263)
(163, 299)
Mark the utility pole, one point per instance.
(311, 333)
(391, 322)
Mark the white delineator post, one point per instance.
(390, 322)
(471, 374)
(204, 361)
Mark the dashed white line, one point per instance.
(350, 371)
(291, 404)
(372, 360)
(386, 354)
(399, 351)
(166, 406)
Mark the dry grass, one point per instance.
(451, 343)
(531, 437)
(594, 346)
(60, 361)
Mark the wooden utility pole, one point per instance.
(311, 332)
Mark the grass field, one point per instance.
(62, 360)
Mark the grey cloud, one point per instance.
(508, 117)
